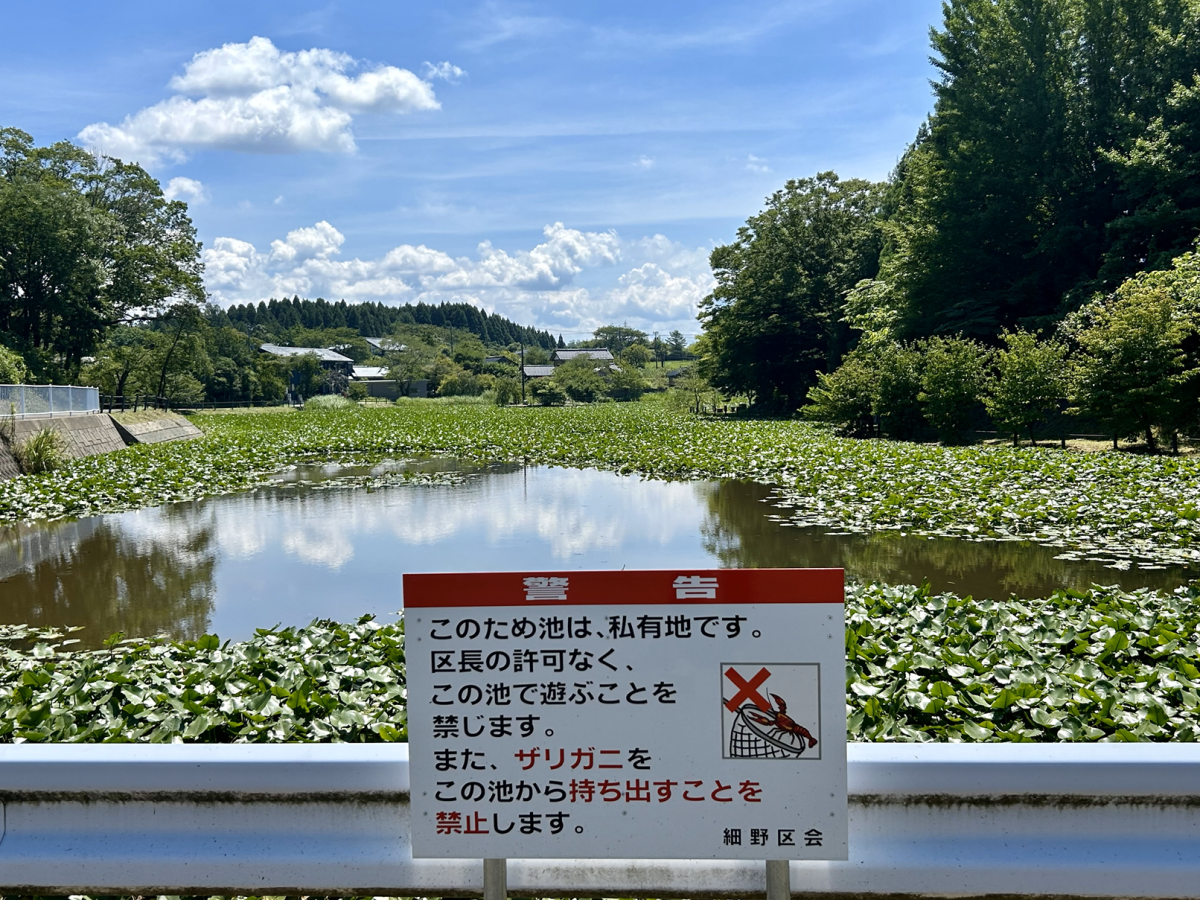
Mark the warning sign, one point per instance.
(659, 715)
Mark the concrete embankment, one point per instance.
(154, 427)
(94, 433)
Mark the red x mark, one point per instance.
(747, 690)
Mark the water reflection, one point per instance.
(295, 550)
(738, 532)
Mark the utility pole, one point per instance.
(522, 373)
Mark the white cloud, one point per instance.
(188, 188)
(538, 286)
(445, 71)
(254, 97)
(645, 162)
(755, 164)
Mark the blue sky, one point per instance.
(566, 165)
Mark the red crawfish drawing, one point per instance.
(780, 722)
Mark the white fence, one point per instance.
(29, 400)
(1036, 820)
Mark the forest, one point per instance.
(1044, 215)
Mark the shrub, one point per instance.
(357, 391)
(580, 380)
(12, 367)
(846, 397)
(327, 401)
(42, 451)
(547, 393)
(898, 403)
(507, 390)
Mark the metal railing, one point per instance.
(132, 403)
(32, 400)
(1032, 820)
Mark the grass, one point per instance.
(1120, 508)
(1076, 666)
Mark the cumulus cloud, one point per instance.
(255, 97)
(185, 188)
(660, 287)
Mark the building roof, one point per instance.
(384, 343)
(370, 371)
(539, 371)
(496, 359)
(590, 353)
(322, 354)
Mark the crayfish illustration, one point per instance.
(780, 722)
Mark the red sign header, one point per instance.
(640, 587)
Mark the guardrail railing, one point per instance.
(1033, 820)
(31, 400)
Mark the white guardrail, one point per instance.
(29, 400)
(1098, 820)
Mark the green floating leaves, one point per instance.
(323, 682)
(947, 668)
(919, 667)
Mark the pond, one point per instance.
(311, 545)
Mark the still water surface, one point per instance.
(287, 553)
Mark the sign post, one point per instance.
(694, 714)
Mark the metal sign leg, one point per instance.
(779, 880)
(495, 879)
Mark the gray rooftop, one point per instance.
(319, 352)
(590, 353)
(539, 371)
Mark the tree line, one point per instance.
(1059, 167)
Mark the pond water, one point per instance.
(307, 547)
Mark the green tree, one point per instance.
(637, 355)
(626, 383)
(546, 392)
(1030, 379)
(12, 367)
(898, 404)
(580, 381)
(616, 337)
(775, 318)
(953, 378)
(1132, 369)
(84, 244)
(508, 390)
(847, 396)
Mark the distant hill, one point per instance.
(376, 319)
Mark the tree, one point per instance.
(898, 403)
(636, 355)
(626, 383)
(775, 318)
(12, 367)
(1030, 379)
(847, 396)
(1133, 366)
(677, 344)
(508, 390)
(579, 380)
(617, 337)
(307, 377)
(952, 381)
(546, 392)
(410, 364)
(84, 244)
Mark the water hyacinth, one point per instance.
(1100, 665)
(1123, 509)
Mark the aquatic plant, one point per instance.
(1098, 665)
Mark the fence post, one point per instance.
(495, 879)
(779, 879)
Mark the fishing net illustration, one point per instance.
(750, 740)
